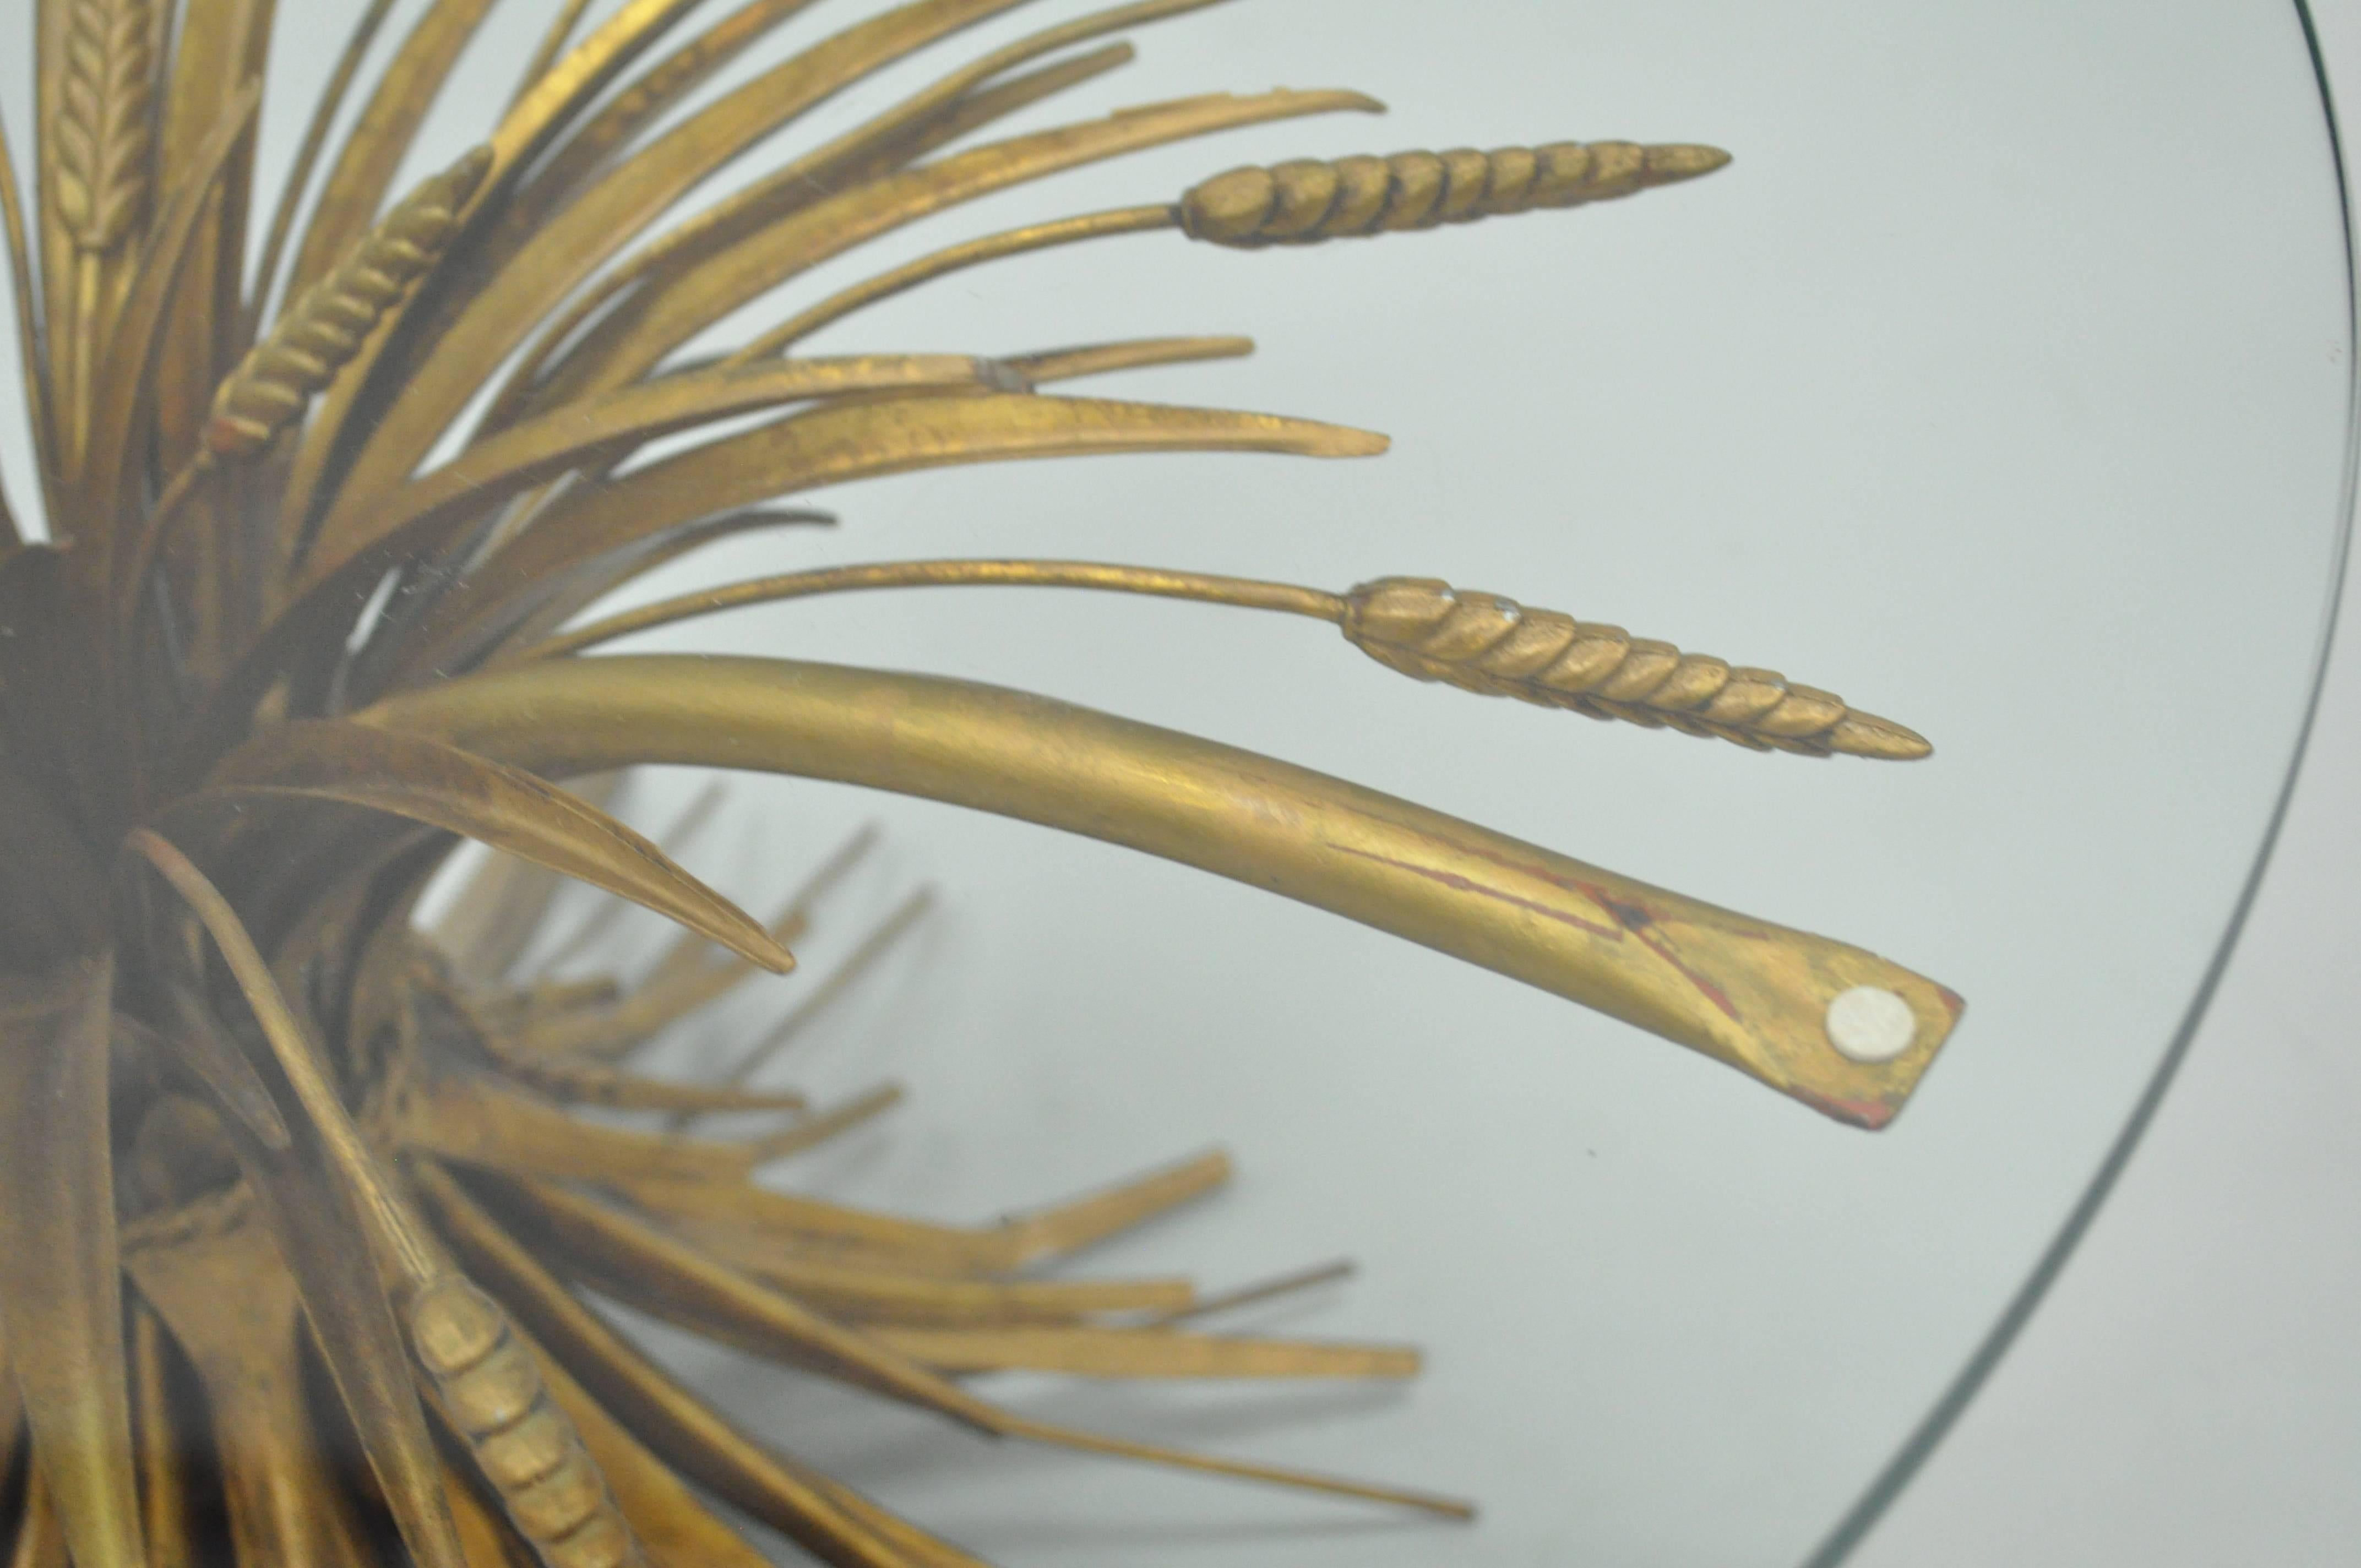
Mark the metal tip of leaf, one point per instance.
(1343, 441)
(765, 950)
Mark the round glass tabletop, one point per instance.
(2000, 383)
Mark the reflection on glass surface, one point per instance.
(1998, 384)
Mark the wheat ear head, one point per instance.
(1483, 642)
(319, 334)
(104, 128)
(525, 1445)
(1307, 200)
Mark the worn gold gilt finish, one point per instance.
(299, 1217)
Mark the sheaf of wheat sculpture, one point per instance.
(298, 1213)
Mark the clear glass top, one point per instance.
(1999, 384)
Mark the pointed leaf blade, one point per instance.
(505, 807)
(61, 1265)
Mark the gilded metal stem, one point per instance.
(954, 258)
(1243, 592)
(1418, 626)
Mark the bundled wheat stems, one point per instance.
(299, 1220)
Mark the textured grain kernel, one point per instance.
(1304, 201)
(1431, 631)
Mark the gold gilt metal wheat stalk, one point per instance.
(282, 622)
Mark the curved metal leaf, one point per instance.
(372, 153)
(106, 477)
(562, 175)
(690, 1434)
(416, 518)
(638, 335)
(833, 446)
(660, 1412)
(207, 323)
(61, 1269)
(1744, 992)
(286, 1502)
(496, 805)
(563, 252)
(943, 112)
(322, 1193)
